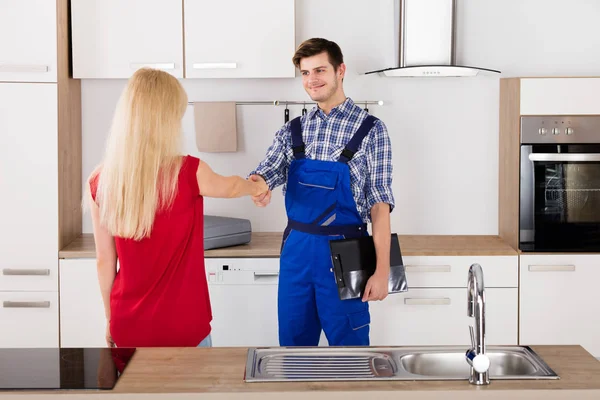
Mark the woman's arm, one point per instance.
(106, 258)
(212, 184)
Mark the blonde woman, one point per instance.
(146, 202)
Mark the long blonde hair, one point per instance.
(139, 173)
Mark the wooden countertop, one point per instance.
(267, 244)
(219, 373)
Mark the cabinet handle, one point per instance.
(34, 68)
(229, 65)
(442, 301)
(151, 65)
(11, 271)
(428, 268)
(26, 304)
(551, 268)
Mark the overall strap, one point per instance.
(297, 143)
(354, 143)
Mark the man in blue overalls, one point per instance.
(335, 163)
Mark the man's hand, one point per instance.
(263, 199)
(377, 285)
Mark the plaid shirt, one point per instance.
(325, 136)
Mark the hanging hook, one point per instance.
(366, 109)
(286, 113)
(304, 109)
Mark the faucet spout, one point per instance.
(476, 356)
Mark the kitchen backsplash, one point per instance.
(444, 131)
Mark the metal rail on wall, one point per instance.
(304, 103)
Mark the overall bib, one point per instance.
(320, 207)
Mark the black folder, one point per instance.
(354, 261)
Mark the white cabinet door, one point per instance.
(28, 187)
(82, 320)
(453, 271)
(114, 38)
(243, 295)
(239, 38)
(560, 96)
(29, 319)
(28, 40)
(424, 317)
(560, 300)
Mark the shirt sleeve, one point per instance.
(378, 185)
(274, 168)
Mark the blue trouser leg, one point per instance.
(297, 311)
(346, 323)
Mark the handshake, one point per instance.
(262, 195)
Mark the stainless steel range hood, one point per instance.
(427, 36)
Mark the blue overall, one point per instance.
(320, 207)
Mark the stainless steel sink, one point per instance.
(391, 363)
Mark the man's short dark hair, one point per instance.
(314, 46)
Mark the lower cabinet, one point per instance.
(243, 293)
(29, 319)
(560, 300)
(423, 317)
(82, 320)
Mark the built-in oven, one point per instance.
(559, 208)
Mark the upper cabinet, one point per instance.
(560, 96)
(113, 38)
(239, 39)
(215, 39)
(29, 41)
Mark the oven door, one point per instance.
(560, 198)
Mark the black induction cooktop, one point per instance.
(62, 368)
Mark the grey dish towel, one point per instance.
(215, 126)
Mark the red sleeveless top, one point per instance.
(160, 295)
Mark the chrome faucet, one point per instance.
(476, 356)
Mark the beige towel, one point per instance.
(216, 127)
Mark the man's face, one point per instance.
(319, 78)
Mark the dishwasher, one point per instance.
(243, 295)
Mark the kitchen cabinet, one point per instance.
(423, 317)
(113, 38)
(434, 310)
(560, 301)
(28, 183)
(29, 319)
(82, 319)
(239, 39)
(559, 96)
(28, 49)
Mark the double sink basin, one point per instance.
(280, 364)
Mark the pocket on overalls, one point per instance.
(359, 319)
(317, 179)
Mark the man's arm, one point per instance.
(274, 168)
(380, 203)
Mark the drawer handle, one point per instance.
(551, 268)
(34, 68)
(428, 268)
(26, 304)
(24, 271)
(442, 301)
(150, 65)
(228, 65)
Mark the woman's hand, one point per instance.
(109, 340)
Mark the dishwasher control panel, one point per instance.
(242, 271)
